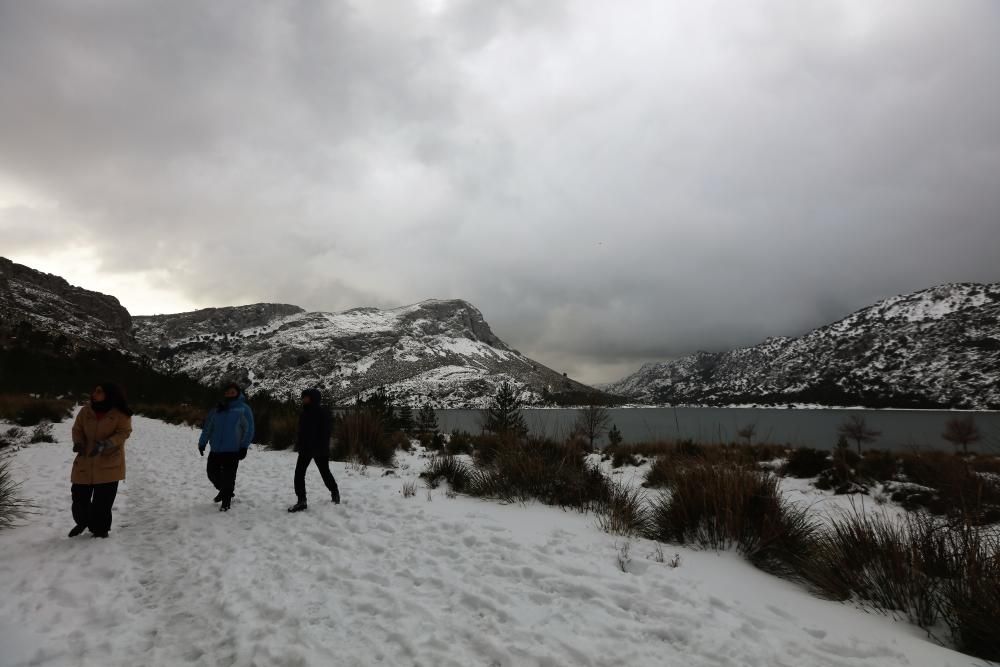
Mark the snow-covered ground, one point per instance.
(385, 579)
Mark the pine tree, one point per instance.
(405, 418)
(427, 421)
(503, 414)
(380, 403)
(615, 436)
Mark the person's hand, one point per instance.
(79, 447)
(201, 450)
(243, 454)
(99, 447)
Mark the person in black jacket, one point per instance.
(315, 427)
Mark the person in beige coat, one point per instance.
(99, 434)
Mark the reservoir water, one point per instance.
(901, 429)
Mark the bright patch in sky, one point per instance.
(136, 291)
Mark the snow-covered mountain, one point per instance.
(37, 301)
(440, 350)
(936, 347)
(443, 351)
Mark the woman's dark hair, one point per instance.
(114, 396)
(232, 385)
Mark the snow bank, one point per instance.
(383, 579)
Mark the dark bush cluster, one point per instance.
(806, 462)
(927, 569)
(360, 436)
(173, 413)
(26, 410)
(551, 472)
(451, 470)
(722, 506)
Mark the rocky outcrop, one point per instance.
(32, 300)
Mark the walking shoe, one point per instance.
(217, 497)
(335, 497)
(225, 505)
(298, 507)
(77, 529)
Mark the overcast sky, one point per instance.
(610, 183)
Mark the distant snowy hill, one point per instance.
(939, 347)
(441, 350)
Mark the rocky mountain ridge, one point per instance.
(938, 347)
(441, 351)
(34, 301)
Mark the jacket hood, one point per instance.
(315, 398)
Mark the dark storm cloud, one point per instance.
(609, 186)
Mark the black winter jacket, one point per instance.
(315, 426)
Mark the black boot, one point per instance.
(77, 529)
(103, 533)
(217, 497)
(225, 505)
(335, 496)
(298, 507)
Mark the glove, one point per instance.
(79, 447)
(201, 450)
(99, 447)
(243, 454)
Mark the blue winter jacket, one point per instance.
(228, 428)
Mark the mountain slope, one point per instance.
(32, 300)
(442, 350)
(939, 347)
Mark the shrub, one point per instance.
(283, 431)
(27, 410)
(42, 433)
(621, 457)
(450, 469)
(553, 473)
(893, 565)
(661, 473)
(970, 598)
(399, 440)
(13, 507)
(806, 462)
(877, 465)
(360, 437)
(173, 413)
(624, 511)
(685, 454)
(958, 490)
(983, 463)
(720, 506)
(460, 442)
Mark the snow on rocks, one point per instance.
(385, 579)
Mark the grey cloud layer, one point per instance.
(609, 187)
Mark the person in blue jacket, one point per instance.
(229, 430)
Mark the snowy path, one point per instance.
(383, 579)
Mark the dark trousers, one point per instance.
(322, 460)
(222, 472)
(92, 505)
